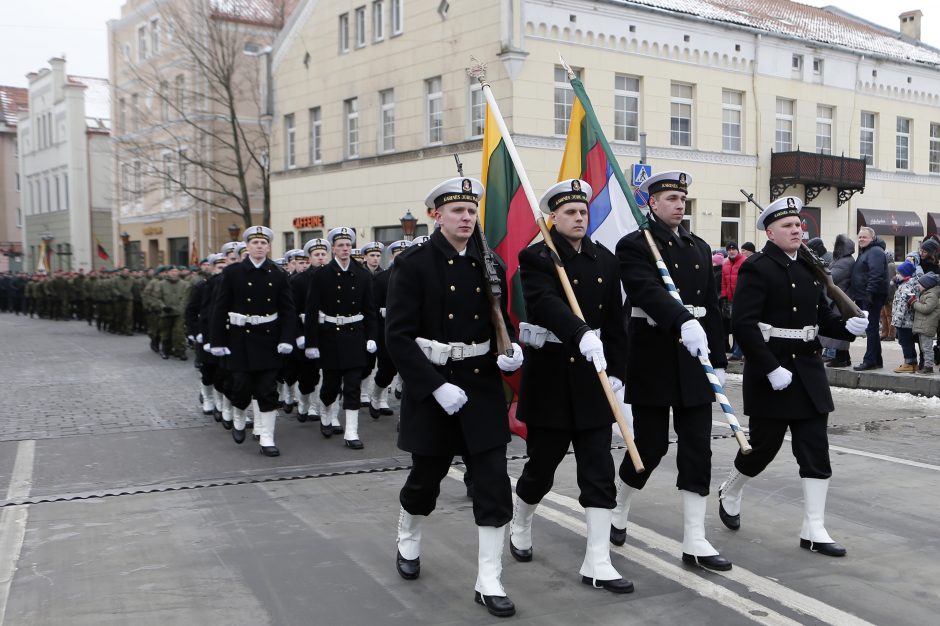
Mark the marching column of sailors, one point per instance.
(267, 334)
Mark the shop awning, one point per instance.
(892, 223)
(933, 221)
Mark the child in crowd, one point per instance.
(926, 305)
(902, 316)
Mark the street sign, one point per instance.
(641, 171)
(641, 197)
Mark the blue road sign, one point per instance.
(641, 171)
(641, 197)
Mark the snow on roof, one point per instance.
(12, 100)
(262, 12)
(828, 25)
(97, 101)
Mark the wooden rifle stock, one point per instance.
(494, 293)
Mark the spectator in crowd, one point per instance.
(869, 289)
(926, 305)
(929, 251)
(887, 330)
(841, 268)
(914, 257)
(718, 260)
(902, 316)
(818, 248)
(747, 249)
(729, 279)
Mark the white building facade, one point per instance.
(372, 99)
(65, 171)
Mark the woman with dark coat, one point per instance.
(841, 268)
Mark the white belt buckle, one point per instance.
(340, 320)
(457, 353)
(809, 333)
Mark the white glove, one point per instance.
(593, 350)
(694, 338)
(207, 348)
(450, 397)
(720, 375)
(858, 326)
(371, 347)
(615, 383)
(510, 363)
(301, 342)
(780, 378)
(312, 353)
(219, 352)
(284, 348)
(199, 338)
(191, 338)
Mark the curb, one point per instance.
(915, 384)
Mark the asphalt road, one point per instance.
(123, 504)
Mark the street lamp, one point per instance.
(233, 231)
(408, 225)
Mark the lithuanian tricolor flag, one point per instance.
(505, 214)
(613, 211)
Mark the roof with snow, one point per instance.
(828, 25)
(97, 102)
(12, 100)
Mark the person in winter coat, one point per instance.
(887, 330)
(902, 316)
(841, 268)
(926, 307)
(729, 279)
(869, 289)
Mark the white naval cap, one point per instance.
(216, 257)
(239, 246)
(257, 232)
(280, 261)
(372, 246)
(341, 232)
(418, 241)
(780, 208)
(570, 190)
(454, 190)
(665, 181)
(294, 253)
(356, 252)
(231, 246)
(313, 244)
(401, 244)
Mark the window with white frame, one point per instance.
(687, 220)
(902, 144)
(387, 120)
(934, 160)
(316, 135)
(344, 32)
(180, 91)
(477, 109)
(351, 108)
(142, 43)
(398, 18)
(167, 175)
(732, 111)
(626, 108)
(360, 27)
(290, 155)
(730, 222)
(866, 137)
(378, 20)
(435, 110)
(680, 115)
(564, 100)
(824, 117)
(783, 133)
(155, 36)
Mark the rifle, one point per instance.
(847, 308)
(495, 292)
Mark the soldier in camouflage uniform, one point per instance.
(171, 297)
(151, 310)
(123, 297)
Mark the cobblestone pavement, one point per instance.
(63, 379)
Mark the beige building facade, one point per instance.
(372, 100)
(13, 100)
(65, 171)
(177, 192)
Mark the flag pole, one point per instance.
(478, 71)
(643, 224)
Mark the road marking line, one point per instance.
(13, 519)
(870, 455)
(758, 584)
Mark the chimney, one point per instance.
(910, 24)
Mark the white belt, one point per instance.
(237, 319)
(807, 333)
(382, 311)
(695, 311)
(535, 336)
(341, 320)
(303, 318)
(438, 353)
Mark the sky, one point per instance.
(33, 31)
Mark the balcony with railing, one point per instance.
(816, 172)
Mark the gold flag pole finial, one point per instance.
(477, 69)
(567, 67)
